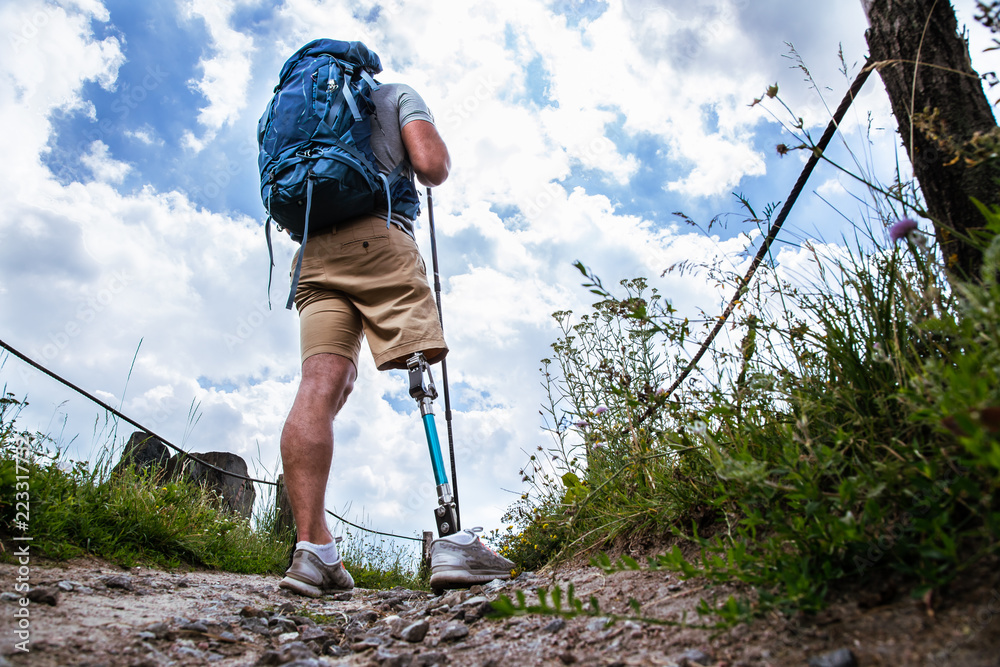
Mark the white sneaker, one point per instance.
(309, 575)
(461, 560)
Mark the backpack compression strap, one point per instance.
(302, 250)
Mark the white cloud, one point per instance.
(145, 135)
(226, 75)
(103, 166)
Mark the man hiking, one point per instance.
(364, 277)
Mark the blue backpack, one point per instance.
(316, 163)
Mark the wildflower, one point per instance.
(902, 229)
(600, 409)
(581, 424)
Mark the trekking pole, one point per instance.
(444, 362)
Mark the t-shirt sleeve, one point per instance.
(412, 107)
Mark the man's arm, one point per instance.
(428, 154)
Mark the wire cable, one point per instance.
(126, 418)
(817, 154)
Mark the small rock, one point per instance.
(494, 586)
(182, 583)
(196, 626)
(387, 658)
(160, 630)
(145, 634)
(335, 650)
(598, 624)
(370, 641)
(120, 581)
(567, 658)
(65, 586)
(454, 632)
(45, 595)
(429, 658)
(694, 657)
(314, 634)
(364, 617)
(476, 600)
(188, 652)
(395, 625)
(555, 626)
(256, 625)
(286, 624)
(287, 637)
(843, 657)
(475, 608)
(451, 599)
(285, 608)
(7, 596)
(289, 654)
(415, 632)
(252, 612)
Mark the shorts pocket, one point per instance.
(365, 245)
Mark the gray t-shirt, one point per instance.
(396, 104)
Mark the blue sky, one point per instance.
(132, 220)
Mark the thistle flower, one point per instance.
(581, 424)
(600, 409)
(902, 229)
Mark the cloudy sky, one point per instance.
(131, 223)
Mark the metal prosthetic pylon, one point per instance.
(423, 391)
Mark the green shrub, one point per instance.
(851, 434)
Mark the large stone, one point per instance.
(238, 495)
(143, 451)
(148, 453)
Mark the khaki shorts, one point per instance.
(362, 279)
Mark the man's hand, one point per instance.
(428, 154)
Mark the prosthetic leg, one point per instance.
(423, 391)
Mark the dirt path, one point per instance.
(103, 615)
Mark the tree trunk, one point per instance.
(945, 96)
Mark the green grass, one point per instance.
(380, 563)
(130, 518)
(127, 517)
(848, 432)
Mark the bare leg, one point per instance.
(307, 440)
